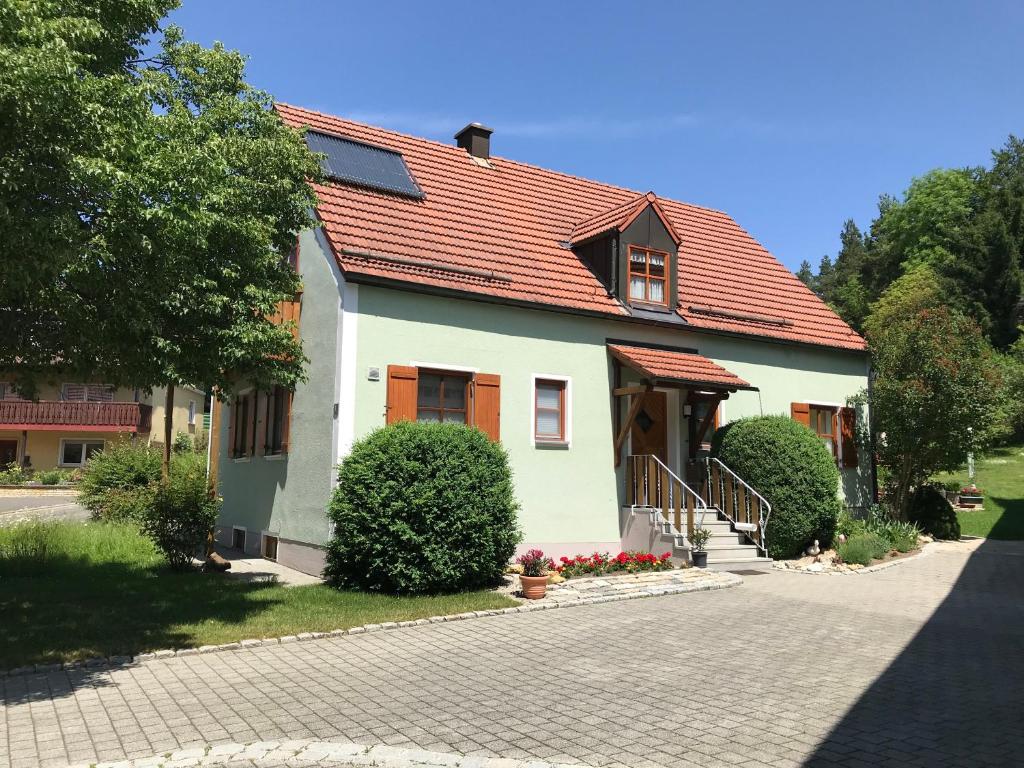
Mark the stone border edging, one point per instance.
(306, 751)
(104, 662)
(921, 552)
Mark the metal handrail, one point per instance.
(700, 507)
(764, 507)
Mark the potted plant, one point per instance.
(534, 578)
(699, 540)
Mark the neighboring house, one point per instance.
(70, 421)
(580, 323)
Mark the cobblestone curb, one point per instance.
(924, 550)
(609, 589)
(307, 752)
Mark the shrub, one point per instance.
(422, 508)
(788, 465)
(182, 512)
(901, 536)
(183, 443)
(862, 548)
(116, 483)
(848, 525)
(933, 514)
(55, 476)
(14, 474)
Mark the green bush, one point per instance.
(901, 536)
(182, 512)
(117, 482)
(929, 509)
(848, 525)
(787, 464)
(14, 474)
(55, 476)
(183, 443)
(862, 548)
(422, 508)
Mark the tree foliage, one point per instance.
(937, 391)
(155, 196)
(966, 225)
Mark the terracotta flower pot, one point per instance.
(534, 587)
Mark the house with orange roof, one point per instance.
(600, 333)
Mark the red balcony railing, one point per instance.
(82, 417)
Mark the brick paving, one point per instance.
(918, 665)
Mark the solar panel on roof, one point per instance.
(364, 165)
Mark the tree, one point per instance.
(937, 389)
(169, 257)
(805, 274)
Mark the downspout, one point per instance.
(871, 433)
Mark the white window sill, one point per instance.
(241, 460)
(551, 445)
(275, 456)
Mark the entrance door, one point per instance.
(8, 452)
(649, 433)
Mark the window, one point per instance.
(276, 421)
(75, 453)
(269, 546)
(648, 275)
(92, 393)
(244, 437)
(8, 391)
(823, 423)
(549, 411)
(442, 397)
(191, 413)
(238, 538)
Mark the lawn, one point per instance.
(71, 590)
(1000, 474)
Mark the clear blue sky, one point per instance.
(790, 116)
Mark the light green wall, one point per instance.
(573, 494)
(288, 495)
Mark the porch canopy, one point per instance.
(707, 383)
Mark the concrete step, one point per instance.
(755, 564)
(719, 551)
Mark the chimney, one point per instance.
(475, 139)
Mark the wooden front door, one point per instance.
(8, 452)
(649, 433)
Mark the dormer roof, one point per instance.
(619, 217)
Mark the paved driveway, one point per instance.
(14, 509)
(918, 665)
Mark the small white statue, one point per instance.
(814, 550)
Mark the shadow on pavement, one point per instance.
(955, 695)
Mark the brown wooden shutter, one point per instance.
(848, 424)
(402, 387)
(286, 425)
(260, 401)
(801, 412)
(232, 419)
(487, 404)
(254, 399)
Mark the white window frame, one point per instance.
(567, 416)
(85, 392)
(84, 441)
(191, 413)
(837, 425)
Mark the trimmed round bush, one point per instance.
(930, 511)
(422, 508)
(787, 464)
(117, 482)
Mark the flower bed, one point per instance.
(601, 563)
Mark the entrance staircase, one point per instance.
(669, 509)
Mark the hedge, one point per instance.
(422, 508)
(787, 464)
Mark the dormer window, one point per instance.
(648, 270)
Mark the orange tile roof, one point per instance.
(686, 367)
(504, 231)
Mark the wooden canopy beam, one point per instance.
(634, 409)
(713, 401)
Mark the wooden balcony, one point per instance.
(75, 416)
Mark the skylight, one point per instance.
(364, 165)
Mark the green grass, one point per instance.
(1000, 474)
(70, 591)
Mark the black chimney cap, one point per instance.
(475, 139)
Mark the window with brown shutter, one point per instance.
(277, 411)
(437, 396)
(848, 427)
(442, 397)
(401, 405)
(801, 413)
(243, 426)
(487, 404)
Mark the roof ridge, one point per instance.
(564, 174)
